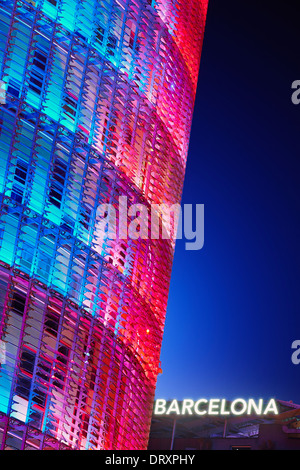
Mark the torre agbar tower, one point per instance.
(96, 103)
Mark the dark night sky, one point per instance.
(233, 308)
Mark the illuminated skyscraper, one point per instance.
(96, 103)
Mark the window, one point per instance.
(85, 425)
(27, 361)
(36, 82)
(59, 380)
(19, 181)
(26, 259)
(86, 217)
(60, 369)
(18, 303)
(131, 39)
(109, 127)
(93, 377)
(55, 197)
(44, 267)
(100, 35)
(128, 135)
(70, 106)
(63, 354)
(39, 64)
(35, 419)
(67, 224)
(44, 371)
(17, 194)
(80, 36)
(14, 88)
(21, 172)
(39, 397)
(51, 323)
(23, 387)
(111, 44)
(40, 60)
(58, 180)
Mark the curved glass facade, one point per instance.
(96, 102)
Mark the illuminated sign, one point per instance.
(215, 406)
